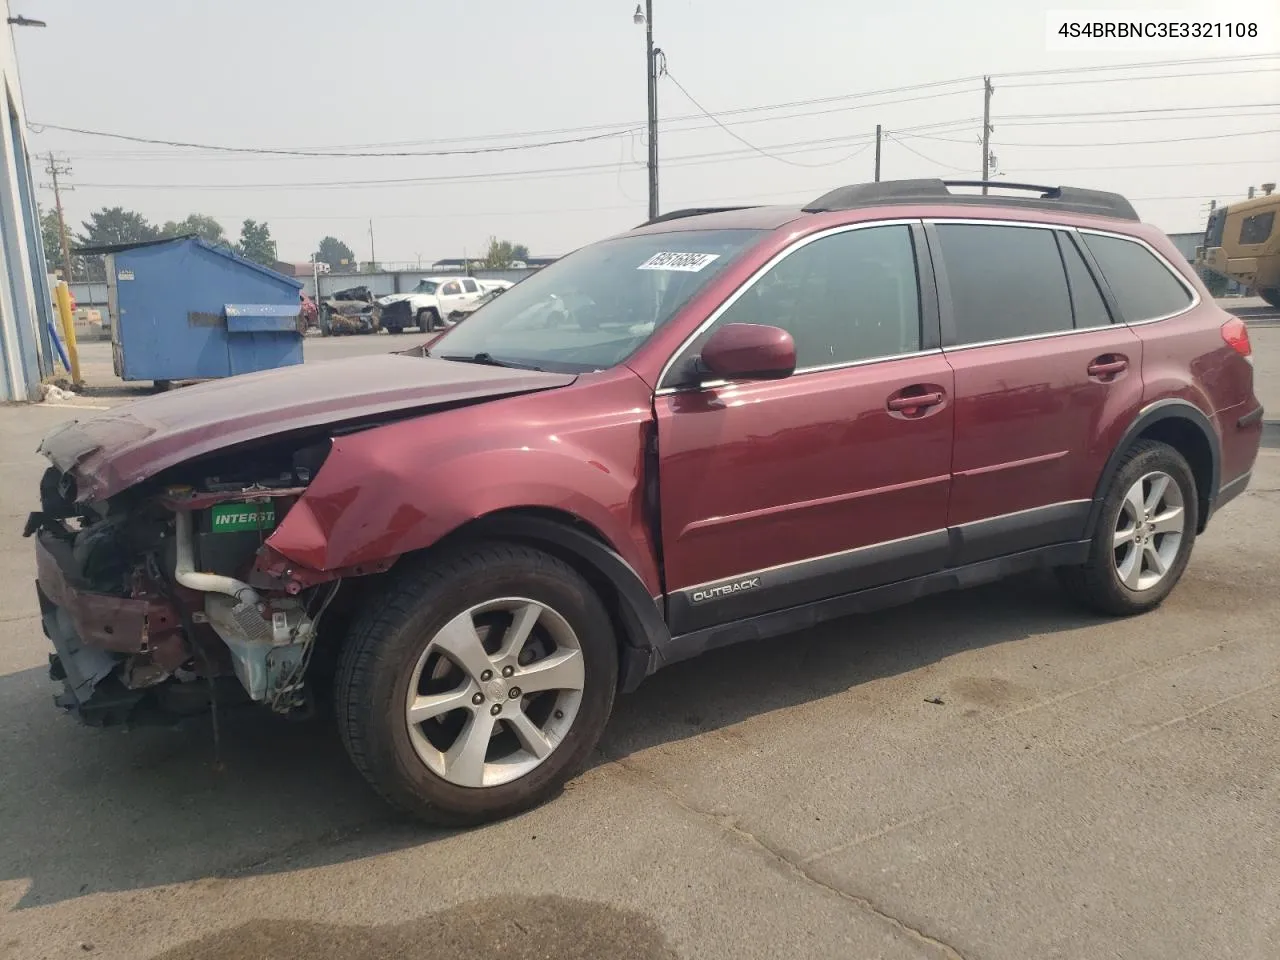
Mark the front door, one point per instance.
(780, 493)
(1041, 371)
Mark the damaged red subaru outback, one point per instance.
(720, 426)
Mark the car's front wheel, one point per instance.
(478, 685)
(1144, 536)
(428, 320)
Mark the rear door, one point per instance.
(780, 493)
(1042, 372)
(450, 297)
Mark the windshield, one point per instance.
(595, 307)
(425, 286)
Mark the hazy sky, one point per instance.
(319, 73)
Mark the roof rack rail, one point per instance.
(690, 212)
(1070, 199)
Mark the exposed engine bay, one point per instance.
(151, 598)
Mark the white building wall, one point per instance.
(25, 302)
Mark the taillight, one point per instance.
(1236, 334)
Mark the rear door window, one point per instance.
(1143, 286)
(1257, 229)
(1006, 282)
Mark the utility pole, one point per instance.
(373, 253)
(987, 91)
(877, 153)
(645, 16)
(56, 169)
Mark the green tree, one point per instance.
(205, 227)
(112, 225)
(502, 252)
(115, 225)
(333, 251)
(52, 243)
(256, 243)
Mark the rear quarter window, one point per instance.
(1143, 286)
(1257, 229)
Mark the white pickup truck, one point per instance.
(433, 301)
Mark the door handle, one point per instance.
(1102, 367)
(916, 402)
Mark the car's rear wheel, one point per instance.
(478, 685)
(1144, 536)
(1271, 295)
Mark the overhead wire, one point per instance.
(938, 163)
(1110, 143)
(747, 143)
(592, 132)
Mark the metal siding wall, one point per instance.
(21, 290)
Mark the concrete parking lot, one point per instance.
(1085, 788)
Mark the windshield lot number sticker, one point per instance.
(683, 262)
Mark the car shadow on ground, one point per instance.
(94, 810)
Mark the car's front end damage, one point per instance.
(174, 532)
(152, 600)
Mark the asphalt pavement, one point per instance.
(1085, 788)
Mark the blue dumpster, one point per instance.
(183, 309)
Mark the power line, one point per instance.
(1162, 76)
(1111, 143)
(938, 163)
(1119, 113)
(1145, 166)
(289, 152)
(606, 131)
(1134, 66)
(762, 152)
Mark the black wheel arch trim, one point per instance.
(645, 631)
(1168, 409)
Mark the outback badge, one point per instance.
(724, 590)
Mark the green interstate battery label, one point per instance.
(235, 517)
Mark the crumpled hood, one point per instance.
(398, 298)
(115, 450)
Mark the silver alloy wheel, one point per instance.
(1149, 530)
(495, 692)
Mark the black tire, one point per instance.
(429, 320)
(378, 659)
(393, 330)
(1096, 584)
(1271, 295)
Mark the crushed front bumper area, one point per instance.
(99, 637)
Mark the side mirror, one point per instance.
(749, 351)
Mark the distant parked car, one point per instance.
(433, 300)
(350, 311)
